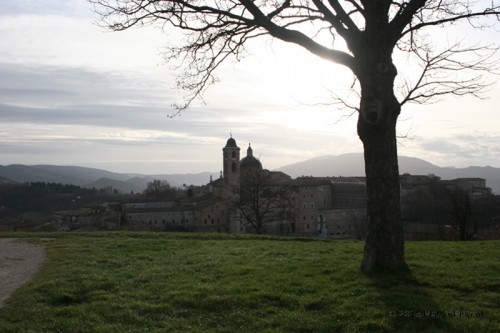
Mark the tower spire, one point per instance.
(231, 163)
(249, 150)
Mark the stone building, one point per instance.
(332, 207)
(431, 207)
(315, 206)
(308, 206)
(212, 215)
(158, 216)
(475, 187)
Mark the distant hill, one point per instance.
(56, 174)
(341, 165)
(353, 165)
(122, 186)
(91, 177)
(139, 182)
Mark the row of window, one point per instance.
(233, 154)
(163, 221)
(312, 188)
(205, 221)
(304, 204)
(338, 225)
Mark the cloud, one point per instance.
(476, 148)
(48, 85)
(46, 7)
(75, 115)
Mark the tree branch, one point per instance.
(419, 14)
(216, 32)
(297, 37)
(457, 70)
(452, 20)
(219, 30)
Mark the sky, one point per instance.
(72, 93)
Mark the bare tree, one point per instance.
(461, 213)
(429, 203)
(357, 218)
(372, 31)
(261, 202)
(159, 189)
(440, 204)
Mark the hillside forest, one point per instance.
(28, 206)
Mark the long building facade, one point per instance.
(246, 198)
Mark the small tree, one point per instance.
(357, 218)
(486, 211)
(159, 189)
(461, 212)
(439, 204)
(261, 202)
(373, 30)
(429, 203)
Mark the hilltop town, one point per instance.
(246, 198)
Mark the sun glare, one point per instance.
(289, 86)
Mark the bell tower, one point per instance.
(231, 165)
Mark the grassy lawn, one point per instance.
(174, 282)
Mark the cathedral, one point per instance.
(323, 206)
(236, 171)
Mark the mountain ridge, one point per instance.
(352, 164)
(93, 177)
(346, 165)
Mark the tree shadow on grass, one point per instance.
(407, 304)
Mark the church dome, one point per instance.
(250, 161)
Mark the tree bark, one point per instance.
(379, 110)
(384, 247)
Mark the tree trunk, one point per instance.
(379, 110)
(384, 247)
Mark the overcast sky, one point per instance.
(74, 94)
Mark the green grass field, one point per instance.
(183, 282)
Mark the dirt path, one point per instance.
(19, 261)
